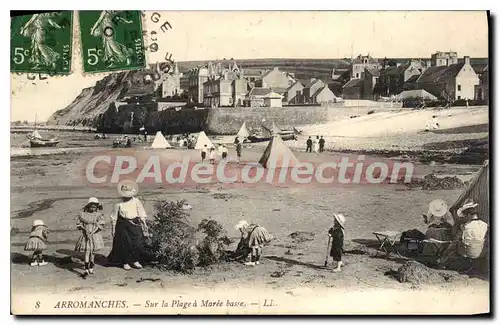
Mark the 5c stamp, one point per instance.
(41, 43)
(111, 40)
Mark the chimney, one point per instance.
(467, 60)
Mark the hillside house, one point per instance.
(273, 99)
(310, 88)
(444, 59)
(293, 94)
(255, 97)
(370, 79)
(453, 82)
(228, 90)
(393, 79)
(273, 79)
(323, 95)
(360, 63)
(197, 77)
(483, 89)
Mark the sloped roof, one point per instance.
(259, 91)
(373, 72)
(293, 85)
(413, 78)
(279, 90)
(479, 68)
(395, 71)
(431, 74)
(272, 94)
(359, 60)
(452, 70)
(417, 93)
(353, 83)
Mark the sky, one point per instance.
(271, 34)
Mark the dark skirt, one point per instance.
(128, 243)
(203, 155)
(336, 252)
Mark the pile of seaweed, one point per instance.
(432, 182)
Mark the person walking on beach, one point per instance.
(337, 234)
(224, 152)
(90, 222)
(204, 153)
(309, 144)
(129, 228)
(321, 144)
(37, 242)
(238, 151)
(212, 155)
(254, 237)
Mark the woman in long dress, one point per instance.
(114, 51)
(35, 28)
(129, 228)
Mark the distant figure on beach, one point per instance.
(236, 140)
(212, 155)
(321, 144)
(224, 152)
(309, 144)
(337, 233)
(432, 124)
(204, 153)
(238, 151)
(315, 146)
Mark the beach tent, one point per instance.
(160, 142)
(478, 190)
(203, 140)
(276, 153)
(415, 94)
(243, 132)
(266, 132)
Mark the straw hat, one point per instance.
(37, 223)
(128, 188)
(241, 224)
(469, 204)
(93, 200)
(437, 208)
(340, 218)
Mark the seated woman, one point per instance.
(253, 239)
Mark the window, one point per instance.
(459, 87)
(459, 97)
(357, 75)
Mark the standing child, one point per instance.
(90, 222)
(238, 151)
(253, 238)
(204, 153)
(37, 242)
(337, 234)
(224, 152)
(212, 155)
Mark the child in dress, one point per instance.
(90, 222)
(337, 234)
(37, 242)
(253, 237)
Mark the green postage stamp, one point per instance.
(111, 40)
(41, 43)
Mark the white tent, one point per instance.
(277, 152)
(203, 140)
(160, 142)
(415, 94)
(243, 132)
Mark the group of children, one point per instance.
(212, 154)
(90, 222)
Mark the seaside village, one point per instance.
(457, 232)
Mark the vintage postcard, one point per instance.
(239, 162)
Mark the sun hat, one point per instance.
(437, 208)
(127, 188)
(340, 218)
(241, 224)
(37, 223)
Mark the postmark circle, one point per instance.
(108, 31)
